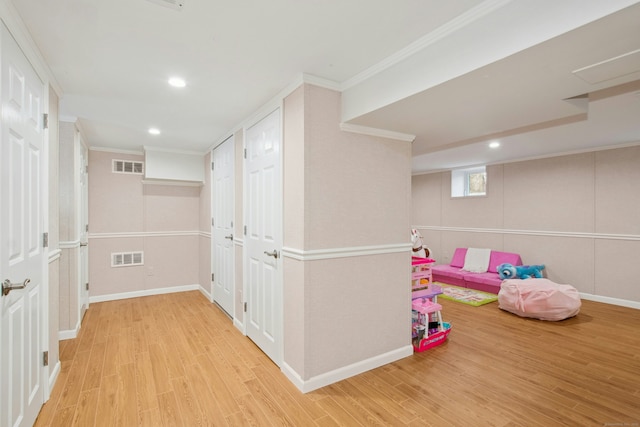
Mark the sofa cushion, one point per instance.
(498, 258)
(484, 278)
(458, 257)
(448, 271)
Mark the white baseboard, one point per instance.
(144, 293)
(610, 300)
(206, 293)
(345, 372)
(70, 333)
(53, 377)
(239, 326)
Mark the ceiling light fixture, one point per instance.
(494, 144)
(154, 131)
(177, 82)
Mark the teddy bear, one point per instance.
(509, 271)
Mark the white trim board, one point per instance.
(145, 234)
(610, 300)
(584, 235)
(70, 333)
(53, 377)
(345, 372)
(144, 293)
(330, 253)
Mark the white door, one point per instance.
(263, 240)
(84, 224)
(21, 234)
(223, 250)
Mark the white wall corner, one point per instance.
(53, 377)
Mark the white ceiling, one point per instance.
(455, 74)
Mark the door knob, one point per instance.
(274, 253)
(230, 237)
(7, 286)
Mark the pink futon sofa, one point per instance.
(486, 282)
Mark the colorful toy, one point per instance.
(509, 271)
(419, 249)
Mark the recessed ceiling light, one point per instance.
(494, 144)
(154, 131)
(177, 82)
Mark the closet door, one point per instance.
(263, 240)
(223, 212)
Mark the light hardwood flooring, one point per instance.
(177, 360)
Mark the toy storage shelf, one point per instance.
(427, 329)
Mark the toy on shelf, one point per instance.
(421, 276)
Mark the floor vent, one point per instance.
(127, 166)
(126, 259)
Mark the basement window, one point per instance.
(127, 166)
(469, 182)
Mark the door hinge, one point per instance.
(86, 286)
(213, 277)
(245, 230)
(45, 240)
(86, 227)
(86, 169)
(245, 153)
(211, 165)
(231, 224)
(212, 222)
(45, 121)
(245, 307)
(45, 358)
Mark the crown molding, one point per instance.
(116, 151)
(382, 133)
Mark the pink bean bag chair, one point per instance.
(539, 298)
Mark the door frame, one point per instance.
(79, 146)
(257, 117)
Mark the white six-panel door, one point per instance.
(223, 211)
(263, 239)
(21, 234)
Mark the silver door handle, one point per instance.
(273, 254)
(7, 286)
(230, 237)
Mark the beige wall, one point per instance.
(164, 221)
(342, 191)
(577, 214)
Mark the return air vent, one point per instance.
(127, 166)
(171, 4)
(126, 259)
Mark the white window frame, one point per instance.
(460, 182)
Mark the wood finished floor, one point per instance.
(177, 360)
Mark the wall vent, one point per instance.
(126, 259)
(127, 166)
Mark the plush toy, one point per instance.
(509, 271)
(419, 249)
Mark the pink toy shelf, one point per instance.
(427, 328)
(421, 276)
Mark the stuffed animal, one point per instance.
(419, 249)
(509, 271)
